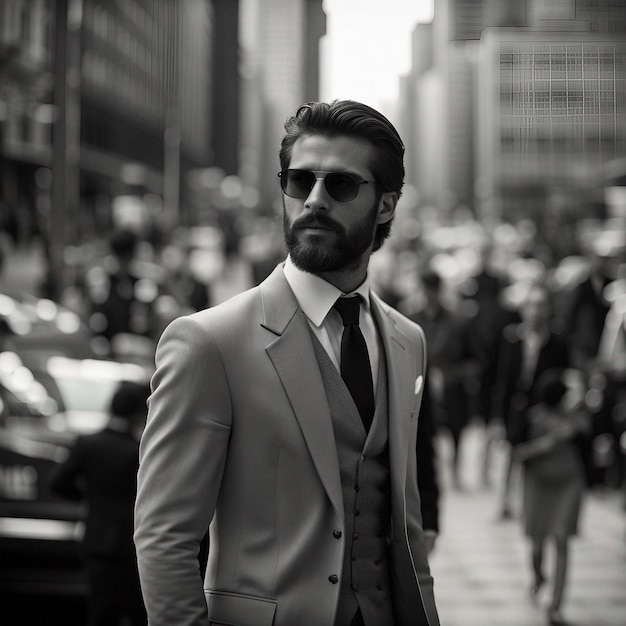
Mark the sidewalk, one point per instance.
(481, 566)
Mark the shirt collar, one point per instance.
(317, 296)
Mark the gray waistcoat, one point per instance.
(364, 467)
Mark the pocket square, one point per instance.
(419, 381)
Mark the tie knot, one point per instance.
(349, 309)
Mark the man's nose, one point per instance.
(318, 198)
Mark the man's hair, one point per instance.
(130, 399)
(123, 242)
(352, 119)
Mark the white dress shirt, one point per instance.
(316, 298)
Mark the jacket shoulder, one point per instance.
(224, 315)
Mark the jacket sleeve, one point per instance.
(427, 482)
(182, 457)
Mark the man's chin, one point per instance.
(312, 260)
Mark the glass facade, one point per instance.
(124, 56)
(561, 99)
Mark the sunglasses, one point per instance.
(340, 186)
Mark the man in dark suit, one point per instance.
(101, 470)
(586, 314)
(306, 476)
(452, 362)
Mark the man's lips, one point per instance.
(314, 225)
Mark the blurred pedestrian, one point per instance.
(609, 424)
(486, 328)
(528, 349)
(587, 310)
(554, 479)
(452, 360)
(101, 470)
(189, 293)
(111, 287)
(287, 416)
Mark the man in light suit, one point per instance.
(311, 496)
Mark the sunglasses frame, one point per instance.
(316, 173)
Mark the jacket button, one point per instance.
(337, 534)
(333, 578)
(355, 587)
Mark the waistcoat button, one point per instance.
(337, 534)
(333, 578)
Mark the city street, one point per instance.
(158, 159)
(481, 565)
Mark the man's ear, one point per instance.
(387, 207)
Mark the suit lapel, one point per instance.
(401, 382)
(293, 357)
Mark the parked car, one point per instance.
(53, 387)
(31, 324)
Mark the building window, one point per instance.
(591, 102)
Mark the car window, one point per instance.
(85, 395)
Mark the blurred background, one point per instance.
(138, 160)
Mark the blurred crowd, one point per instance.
(469, 291)
(524, 341)
(466, 286)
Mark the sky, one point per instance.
(368, 46)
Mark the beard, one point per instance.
(316, 255)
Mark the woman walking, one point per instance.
(554, 480)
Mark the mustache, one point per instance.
(315, 221)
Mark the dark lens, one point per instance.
(297, 183)
(342, 187)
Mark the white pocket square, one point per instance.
(419, 381)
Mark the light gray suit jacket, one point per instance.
(239, 435)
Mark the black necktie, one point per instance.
(355, 361)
